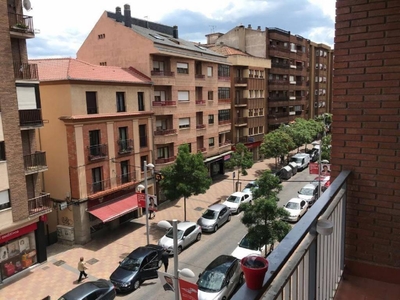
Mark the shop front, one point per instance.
(215, 164)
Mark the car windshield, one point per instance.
(233, 199)
(170, 233)
(306, 191)
(131, 264)
(245, 243)
(210, 214)
(296, 159)
(211, 281)
(292, 205)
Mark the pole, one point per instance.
(147, 202)
(176, 270)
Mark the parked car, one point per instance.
(309, 192)
(313, 153)
(99, 289)
(245, 247)
(140, 265)
(236, 200)
(252, 185)
(296, 208)
(325, 182)
(214, 217)
(302, 160)
(188, 233)
(220, 278)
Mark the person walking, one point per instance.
(152, 208)
(165, 259)
(81, 268)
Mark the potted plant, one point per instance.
(20, 25)
(254, 268)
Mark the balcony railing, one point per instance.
(224, 122)
(96, 152)
(165, 160)
(165, 131)
(164, 103)
(307, 264)
(125, 146)
(224, 78)
(241, 80)
(202, 149)
(162, 73)
(241, 121)
(300, 82)
(25, 71)
(251, 139)
(280, 65)
(200, 102)
(278, 98)
(224, 144)
(200, 126)
(224, 101)
(104, 185)
(199, 76)
(273, 82)
(30, 118)
(241, 101)
(35, 162)
(40, 205)
(21, 23)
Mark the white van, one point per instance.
(301, 159)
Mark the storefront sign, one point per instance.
(188, 290)
(18, 232)
(152, 199)
(227, 157)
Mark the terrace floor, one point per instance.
(359, 288)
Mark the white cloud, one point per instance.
(327, 7)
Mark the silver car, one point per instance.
(188, 233)
(214, 217)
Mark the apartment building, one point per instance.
(192, 93)
(290, 93)
(98, 137)
(24, 205)
(249, 105)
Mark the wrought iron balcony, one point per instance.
(241, 80)
(96, 152)
(200, 102)
(162, 73)
(224, 101)
(241, 101)
(278, 98)
(307, 264)
(241, 121)
(125, 146)
(40, 205)
(199, 76)
(166, 160)
(30, 118)
(35, 162)
(113, 182)
(164, 131)
(202, 149)
(226, 143)
(224, 122)
(200, 126)
(164, 103)
(21, 26)
(25, 71)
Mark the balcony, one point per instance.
(199, 76)
(224, 122)
(40, 205)
(241, 102)
(97, 152)
(30, 118)
(250, 139)
(125, 146)
(307, 264)
(35, 163)
(164, 103)
(278, 82)
(225, 144)
(240, 81)
(200, 102)
(160, 161)
(162, 73)
(300, 82)
(224, 78)
(165, 131)
(117, 182)
(278, 98)
(280, 65)
(224, 101)
(200, 126)
(25, 71)
(21, 26)
(241, 121)
(202, 149)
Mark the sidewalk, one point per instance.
(59, 274)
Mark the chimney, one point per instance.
(249, 26)
(127, 16)
(175, 32)
(259, 28)
(118, 15)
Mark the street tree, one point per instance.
(276, 144)
(241, 158)
(326, 147)
(267, 185)
(297, 131)
(264, 220)
(186, 177)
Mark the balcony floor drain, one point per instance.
(59, 263)
(92, 261)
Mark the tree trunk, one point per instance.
(184, 208)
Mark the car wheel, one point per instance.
(215, 228)
(136, 285)
(179, 250)
(229, 217)
(198, 238)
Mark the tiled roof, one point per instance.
(73, 69)
(226, 50)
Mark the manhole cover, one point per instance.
(59, 263)
(92, 261)
(198, 208)
(45, 268)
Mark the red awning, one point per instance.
(114, 209)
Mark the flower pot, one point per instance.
(254, 268)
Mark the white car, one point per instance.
(309, 192)
(246, 248)
(249, 187)
(296, 208)
(188, 233)
(235, 200)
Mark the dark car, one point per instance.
(142, 264)
(91, 290)
(314, 154)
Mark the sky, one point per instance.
(62, 26)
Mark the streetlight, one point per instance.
(151, 166)
(185, 272)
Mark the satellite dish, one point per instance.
(27, 4)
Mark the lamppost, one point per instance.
(185, 272)
(151, 166)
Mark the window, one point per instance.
(209, 71)
(224, 93)
(184, 123)
(182, 68)
(261, 74)
(251, 112)
(251, 95)
(210, 95)
(159, 96)
(143, 159)
(162, 152)
(121, 102)
(158, 66)
(140, 96)
(190, 147)
(91, 103)
(224, 115)
(124, 171)
(256, 73)
(261, 129)
(261, 111)
(101, 36)
(324, 79)
(94, 140)
(316, 78)
(210, 119)
(123, 140)
(211, 142)
(97, 181)
(5, 199)
(293, 47)
(183, 95)
(2, 151)
(251, 73)
(142, 136)
(251, 132)
(103, 63)
(316, 92)
(223, 71)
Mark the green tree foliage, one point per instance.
(326, 147)
(241, 158)
(268, 185)
(277, 143)
(264, 221)
(186, 177)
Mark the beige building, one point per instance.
(99, 134)
(24, 204)
(192, 84)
